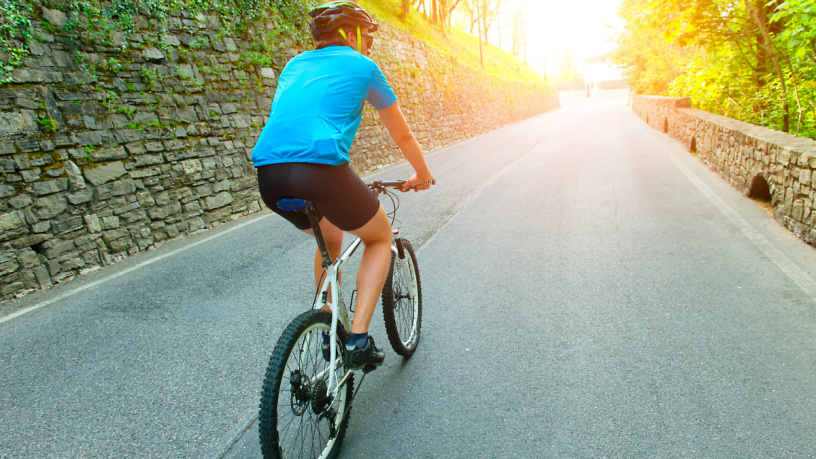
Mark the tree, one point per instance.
(566, 71)
(405, 6)
(519, 33)
(488, 13)
(749, 59)
(471, 9)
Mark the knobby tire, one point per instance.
(403, 319)
(284, 394)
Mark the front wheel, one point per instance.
(298, 419)
(402, 302)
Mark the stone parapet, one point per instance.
(758, 161)
(118, 146)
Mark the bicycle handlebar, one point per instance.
(381, 185)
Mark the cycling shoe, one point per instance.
(368, 358)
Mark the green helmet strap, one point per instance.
(359, 38)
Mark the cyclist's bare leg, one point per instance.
(334, 242)
(376, 236)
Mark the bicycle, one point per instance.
(300, 384)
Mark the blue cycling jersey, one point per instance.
(318, 107)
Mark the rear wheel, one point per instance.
(297, 418)
(402, 310)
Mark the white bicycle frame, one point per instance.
(338, 305)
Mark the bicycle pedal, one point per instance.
(369, 368)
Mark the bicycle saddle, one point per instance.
(293, 204)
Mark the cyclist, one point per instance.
(302, 153)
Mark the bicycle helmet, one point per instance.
(331, 16)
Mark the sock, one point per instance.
(358, 339)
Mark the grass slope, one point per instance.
(462, 45)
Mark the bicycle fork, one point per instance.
(406, 265)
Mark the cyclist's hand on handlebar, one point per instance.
(416, 183)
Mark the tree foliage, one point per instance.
(748, 59)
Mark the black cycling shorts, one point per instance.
(337, 192)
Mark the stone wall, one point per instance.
(759, 162)
(114, 147)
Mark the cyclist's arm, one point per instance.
(398, 128)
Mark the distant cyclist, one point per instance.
(303, 153)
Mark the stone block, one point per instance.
(80, 197)
(123, 187)
(152, 54)
(50, 206)
(193, 208)
(135, 148)
(111, 222)
(219, 200)
(148, 160)
(67, 224)
(90, 138)
(60, 248)
(42, 276)
(11, 288)
(20, 201)
(7, 147)
(62, 59)
(43, 188)
(28, 258)
(53, 267)
(75, 180)
(188, 115)
(162, 199)
(106, 173)
(54, 17)
(108, 154)
(30, 175)
(12, 123)
(175, 145)
(171, 40)
(11, 220)
(93, 223)
(242, 121)
(127, 135)
(160, 213)
(204, 190)
(804, 176)
(191, 166)
(112, 235)
(223, 185)
(154, 146)
(126, 208)
(120, 245)
(145, 117)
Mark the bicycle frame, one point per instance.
(336, 303)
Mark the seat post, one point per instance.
(321, 243)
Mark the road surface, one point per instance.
(590, 290)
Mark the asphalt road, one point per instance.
(590, 290)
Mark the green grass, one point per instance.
(460, 44)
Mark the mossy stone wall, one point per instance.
(118, 144)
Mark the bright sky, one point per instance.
(556, 26)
